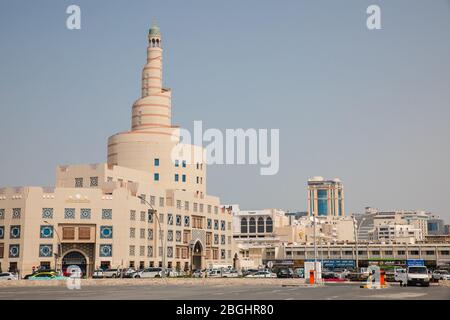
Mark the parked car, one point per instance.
(230, 274)
(299, 273)
(8, 276)
(262, 274)
(285, 273)
(170, 272)
(45, 275)
(111, 273)
(413, 275)
(198, 273)
(249, 271)
(98, 273)
(149, 273)
(440, 275)
(126, 273)
(340, 273)
(327, 274)
(389, 276)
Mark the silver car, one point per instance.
(149, 273)
(8, 276)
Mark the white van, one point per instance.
(413, 275)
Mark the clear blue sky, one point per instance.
(369, 107)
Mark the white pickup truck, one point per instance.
(413, 275)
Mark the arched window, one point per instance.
(157, 43)
(252, 226)
(269, 225)
(153, 43)
(244, 228)
(260, 225)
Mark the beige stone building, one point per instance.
(94, 216)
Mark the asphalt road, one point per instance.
(227, 292)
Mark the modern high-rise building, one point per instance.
(325, 197)
(97, 215)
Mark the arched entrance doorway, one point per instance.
(74, 258)
(197, 254)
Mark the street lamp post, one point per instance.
(315, 249)
(356, 229)
(152, 211)
(59, 245)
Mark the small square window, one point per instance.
(14, 251)
(107, 214)
(69, 213)
(85, 213)
(78, 182)
(156, 176)
(15, 232)
(46, 232)
(156, 162)
(16, 213)
(177, 163)
(94, 181)
(45, 250)
(47, 213)
(106, 232)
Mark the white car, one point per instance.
(8, 276)
(230, 274)
(98, 273)
(441, 275)
(262, 274)
(111, 273)
(149, 273)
